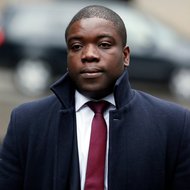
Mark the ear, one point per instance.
(126, 54)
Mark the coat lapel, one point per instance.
(67, 164)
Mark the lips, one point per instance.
(90, 73)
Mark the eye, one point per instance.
(76, 46)
(105, 45)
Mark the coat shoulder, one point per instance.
(35, 114)
(159, 111)
(153, 103)
(37, 106)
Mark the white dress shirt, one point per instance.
(84, 116)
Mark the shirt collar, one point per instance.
(81, 100)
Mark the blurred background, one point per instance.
(33, 52)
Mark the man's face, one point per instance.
(96, 57)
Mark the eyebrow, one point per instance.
(105, 36)
(74, 38)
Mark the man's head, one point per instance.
(97, 51)
(104, 13)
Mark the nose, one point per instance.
(90, 54)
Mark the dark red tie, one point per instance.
(97, 149)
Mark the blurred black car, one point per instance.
(33, 44)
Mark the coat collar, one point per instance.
(64, 89)
(122, 90)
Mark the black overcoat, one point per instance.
(149, 143)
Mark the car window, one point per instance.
(139, 31)
(165, 37)
(37, 25)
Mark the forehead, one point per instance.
(92, 26)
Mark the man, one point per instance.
(47, 143)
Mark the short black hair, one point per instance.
(100, 12)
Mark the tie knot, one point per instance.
(98, 107)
